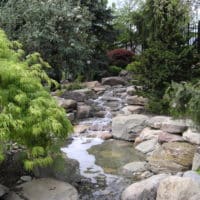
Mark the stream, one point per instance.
(101, 161)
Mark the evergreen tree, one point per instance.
(29, 115)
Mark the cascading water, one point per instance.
(88, 149)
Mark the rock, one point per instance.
(92, 84)
(192, 137)
(71, 116)
(67, 104)
(3, 190)
(135, 167)
(78, 95)
(12, 196)
(146, 175)
(147, 146)
(50, 189)
(105, 136)
(174, 126)
(100, 114)
(113, 81)
(66, 170)
(196, 160)
(83, 111)
(99, 89)
(168, 137)
(81, 128)
(177, 188)
(131, 90)
(125, 111)
(143, 190)
(193, 175)
(172, 157)
(156, 122)
(195, 197)
(136, 100)
(128, 127)
(26, 178)
(128, 110)
(149, 134)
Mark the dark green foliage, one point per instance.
(29, 115)
(114, 70)
(184, 100)
(72, 36)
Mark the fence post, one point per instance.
(198, 38)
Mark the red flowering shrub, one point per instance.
(120, 57)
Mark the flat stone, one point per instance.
(135, 109)
(105, 136)
(112, 81)
(81, 128)
(156, 122)
(131, 90)
(26, 178)
(172, 157)
(3, 190)
(168, 137)
(192, 137)
(177, 188)
(128, 127)
(193, 175)
(136, 100)
(174, 126)
(147, 146)
(135, 167)
(91, 84)
(145, 189)
(50, 189)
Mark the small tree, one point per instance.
(28, 113)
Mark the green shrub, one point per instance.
(114, 70)
(29, 115)
(184, 100)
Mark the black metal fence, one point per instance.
(193, 33)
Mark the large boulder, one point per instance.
(136, 100)
(78, 95)
(156, 122)
(147, 146)
(113, 81)
(47, 188)
(143, 190)
(134, 168)
(193, 175)
(64, 169)
(83, 111)
(174, 126)
(192, 136)
(67, 104)
(169, 137)
(128, 127)
(195, 197)
(172, 157)
(149, 134)
(196, 160)
(177, 188)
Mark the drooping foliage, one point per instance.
(70, 35)
(28, 113)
